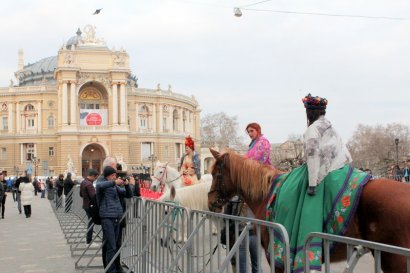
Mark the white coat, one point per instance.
(27, 193)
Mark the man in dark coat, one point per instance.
(111, 211)
(87, 192)
(5, 190)
(2, 191)
(68, 186)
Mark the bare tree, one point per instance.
(374, 148)
(221, 130)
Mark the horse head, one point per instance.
(159, 176)
(222, 188)
(165, 176)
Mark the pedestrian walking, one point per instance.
(42, 188)
(18, 194)
(2, 191)
(27, 190)
(5, 190)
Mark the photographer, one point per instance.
(109, 194)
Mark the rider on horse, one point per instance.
(190, 163)
(324, 149)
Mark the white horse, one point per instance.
(167, 176)
(194, 197)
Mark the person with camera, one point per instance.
(109, 192)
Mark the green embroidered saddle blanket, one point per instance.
(330, 211)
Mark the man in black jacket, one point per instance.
(87, 192)
(17, 185)
(2, 191)
(111, 211)
(5, 189)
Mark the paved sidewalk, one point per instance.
(35, 244)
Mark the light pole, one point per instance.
(397, 151)
(152, 158)
(35, 161)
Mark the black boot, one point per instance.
(311, 190)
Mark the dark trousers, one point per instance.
(19, 201)
(118, 259)
(90, 223)
(27, 210)
(14, 191)
(111, 230)
(3, 208)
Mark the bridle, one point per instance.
(165, 174)
(221, 195)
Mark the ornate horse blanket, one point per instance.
(330, 211)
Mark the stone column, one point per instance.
(123, 104)
(18, 118)
(137, 118)
(114, 104)
(73, 106)
(64, 107)
(11, 118)
(181, 120)
(39, 118)
(161, 118)
(154, 118)
(21, 153)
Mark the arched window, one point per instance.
(50, 122)
(29, 107)
(143, 117)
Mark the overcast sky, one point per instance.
(256, 67)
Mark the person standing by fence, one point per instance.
(68, 186)
(259, 150)
(111, 211)
(87, 192)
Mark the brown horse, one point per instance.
(383, 214)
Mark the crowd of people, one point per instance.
(323, 149)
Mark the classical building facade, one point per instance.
(70, 111)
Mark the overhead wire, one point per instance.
(329, 14)
(245, 7)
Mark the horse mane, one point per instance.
(251, 176)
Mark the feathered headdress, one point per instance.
(189, 142)
(314, 102)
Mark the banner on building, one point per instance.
(93, 117)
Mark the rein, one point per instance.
(220, 193)
(165, 173)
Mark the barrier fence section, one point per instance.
(74, 224)
(356, 248)
(165, 237)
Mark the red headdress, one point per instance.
(189, 142)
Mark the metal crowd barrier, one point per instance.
(74, 224)
(356, 248)
(165, 237)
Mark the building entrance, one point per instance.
(92, 157)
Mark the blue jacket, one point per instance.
(108, 198)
